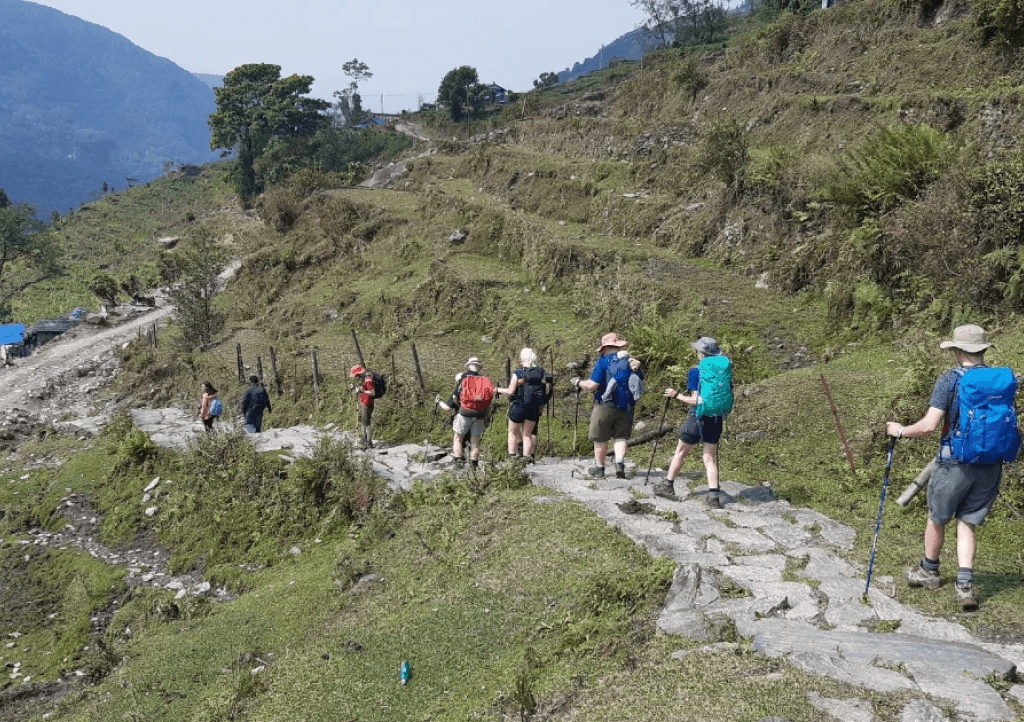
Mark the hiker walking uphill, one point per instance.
(530, 388)
(370, 387)
(617, 383)
(709, 396)
(254, 402)
(471, 400)
(977, 402)
(210, 406)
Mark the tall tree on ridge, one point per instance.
(255, 105)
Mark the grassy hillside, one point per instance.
(828, 197)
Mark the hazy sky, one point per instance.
(409, 46)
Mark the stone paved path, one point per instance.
(779, 573)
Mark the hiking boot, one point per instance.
(965, 595)
(920, 577)
(620, 471)
(596, 472)
(666, 491)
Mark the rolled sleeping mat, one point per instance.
(917, 484)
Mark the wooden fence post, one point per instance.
(241, 366)
(259, 368)
(273, 365)
(316, 378)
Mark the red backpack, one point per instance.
(476, 394)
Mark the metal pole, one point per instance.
(656, 440)
(878, 523)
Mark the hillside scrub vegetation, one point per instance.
(828, 196)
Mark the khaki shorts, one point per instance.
(463, 425)
(365, 414)
(609, 422)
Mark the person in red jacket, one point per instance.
(366, 396)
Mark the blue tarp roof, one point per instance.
(12, 333)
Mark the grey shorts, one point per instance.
(964, 491)
(365, 414)
(609, 422)
(463, 425)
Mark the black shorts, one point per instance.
(517, 413)
(708, 429)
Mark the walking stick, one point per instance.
(656, 440)
(881, 505)
(576, 421)
(433, 415)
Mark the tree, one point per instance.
(349, 106)
(255, 105)
(677, 22)
(28, 255)
(546, 80)
(455, 90)
(195, 275)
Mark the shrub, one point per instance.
(723, 152)
(892, 168)
(1000, 22)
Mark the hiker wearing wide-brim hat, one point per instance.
(971, 339)
(610, 341)
(961, 486)
(705, 417)
(471, 399)
(612, 417)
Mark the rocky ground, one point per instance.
(779, 574)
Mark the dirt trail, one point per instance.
(20, 383)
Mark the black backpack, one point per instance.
(535, 393)
(380, 386)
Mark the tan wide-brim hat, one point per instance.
(971, 339)
(474, 361)
(611, 340)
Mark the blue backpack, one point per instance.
(985, 429)
(216, 407)
(623, 386)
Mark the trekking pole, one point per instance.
(656, 440)
(433, 415)
(878, 523)
(576, 421)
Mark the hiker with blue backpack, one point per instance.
(530, 388)
(617, 384)
(980, 434)
(210, 406)
(710, 398)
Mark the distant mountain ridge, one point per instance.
(81, 106)
(214, 81)
(630, 46)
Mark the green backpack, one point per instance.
(715, 393)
